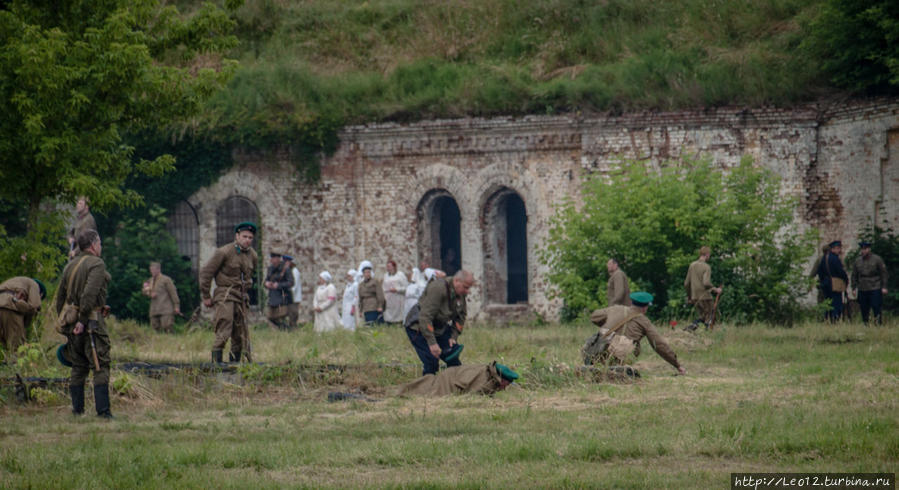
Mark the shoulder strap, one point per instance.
(628, 318)
(72, 278)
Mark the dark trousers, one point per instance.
(430, 363)
(373, 317)
(836, 306)
(868, 300)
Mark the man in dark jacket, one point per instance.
(833, 279)
(279, 282)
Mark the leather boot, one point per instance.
(77, 392)
(234, 356)
(216, 357)
(101, 400)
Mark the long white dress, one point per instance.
(393, 312)
(326, 298)
(350, 299)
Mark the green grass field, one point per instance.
(811, 398)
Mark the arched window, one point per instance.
(505, 248)
(440, 231)
(183, 224)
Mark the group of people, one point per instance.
(867, 283)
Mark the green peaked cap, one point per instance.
(505, 372)
(641, 298)
(246, 225)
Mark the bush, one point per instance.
(653, 221)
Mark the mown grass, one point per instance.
(810, 398)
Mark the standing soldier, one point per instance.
(164, 302)
(296, 293)
(436, 324)
(278, 281)
(618, 291)
(700, 288)
(833, 278)
(20, 300)
(79, 303)
(869, 279)
(232, 268)
(371, 296)
(83, 221)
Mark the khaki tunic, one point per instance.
(81, 224)
(699, 281)
(441, 308)
(232, 270)
(371, 295)
(475, 378)
(867, 274)
(166, 300)
(618, 291)
(635, 330)
(15, 314)
(89, 281)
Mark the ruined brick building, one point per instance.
(480, 192)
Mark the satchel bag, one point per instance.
(598, 343)
(837, 284)
(69, 313)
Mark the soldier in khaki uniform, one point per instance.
(232, 268)
(630, 325)
(700, 288)
(435, 325)
(618, 291)
(83, 284)
(869, 280)
(20, 300)
(164, 302)
(84, 220)
(478, 379)
(371, 296)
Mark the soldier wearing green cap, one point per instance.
(20, 300)
(478, 379)
(232, 268)
(623, 327)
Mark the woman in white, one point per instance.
(350, 299)
(394, 286)
(325, 305)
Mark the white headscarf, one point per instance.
(365, 264)
(352, 273)
(326, 276)
(429, 273)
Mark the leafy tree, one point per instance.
(136, 244)
(857, 42)
(654, 220)
(75, 77)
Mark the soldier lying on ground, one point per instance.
(477, 378)
(621, 330)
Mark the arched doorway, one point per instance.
(440, 231)
(228, 214)
(505, 248)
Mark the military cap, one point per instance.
(505, 372)
(246, 225)
(864, 244)
(62, 353)
(454, 353)
(274, 254)
(836, 243)
(41, 287)
(641, 298)
(287, 257)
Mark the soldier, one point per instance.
(371, 296)
(83, 221)
(833, 278)
(618, 291)
(478, 379)
(435, 325)
(279, 282)
(80, 304)
(700, 288)
(164, 302)
(232, 268)
(296, 292)
(869, 279)
(20, 301)
(623, 327)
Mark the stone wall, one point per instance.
(377, 193)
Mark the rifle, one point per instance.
(715, 310)
(90, 333)
(248, 349)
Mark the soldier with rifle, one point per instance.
(80, 304)
(232, 268)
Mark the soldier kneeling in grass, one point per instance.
(621, 328)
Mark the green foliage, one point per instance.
(38, 252)
(857, 43)
(654, 220)
(885, 243)
(128, 254)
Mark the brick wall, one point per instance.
(841, 162)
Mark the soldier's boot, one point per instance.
(692, 327)
(217, 357)
(234, 356)
(77, 392)
(101, 400)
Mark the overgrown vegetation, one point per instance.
(654, 220)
